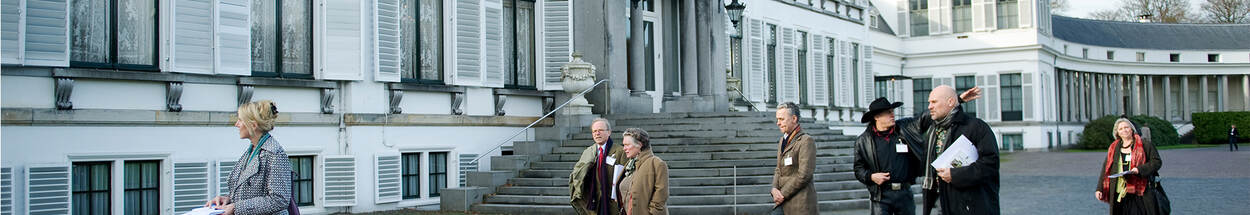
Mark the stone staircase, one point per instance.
(719, 163)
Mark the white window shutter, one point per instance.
(190, 185)
(756, 89)
(819, 76)
(388, 178)
(788, 78)
(904, 19)
(6, 191)
(1026, 13)
(978, 11)
(981, 106)
(47, 189)
(467, 43)
(866, 78)
(847, 89)
(339, 174)
(994, 101)
(386, 53)
(46, 33)
(991, 15)
(234, 37)
(556, 41)
(223, 176)
(466, 165)
(339, 46)
(192, 37)
(1026, 89)
(492, 43)
(11, 31)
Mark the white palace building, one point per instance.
(121, 106)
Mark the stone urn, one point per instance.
(577, 76)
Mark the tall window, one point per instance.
(91, 182)
(920, 89)
(772, 64)
(519, 41)
(1012, 101)
(1008, 14)
(855, 70)
(830, 67)
(115, 34)
(142, 183)
(963, 83)
(411, 175)
(962, 15)
(438, 172)
(282, 38)
(803, 68)
(919, 17)
(1013, 142)
(303, 180)
(421, 41)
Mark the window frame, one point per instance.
(1213, 58)
(141, 188)
(432, 184)
(1110, 55)
(801, 58)
(113, 33)
(1174, 57)
(920, 95)
(1012, 99)
(1007, 20)
(516, 51)
(771, 49)
(831, 56)
(969, 107)
(90, 165)
(311, 180)
(855, 72)
(277, 64)
(918, 10)
(956, 5)
(404, 176)
(416, 72)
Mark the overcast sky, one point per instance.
(1082, 8)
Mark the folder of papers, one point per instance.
(616, 178)
(959, 154)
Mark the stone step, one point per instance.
(707, 156)
(755, 198)
(708, 126)
(728, 133)
(568, 165)
(707, 141)
(686, 173)
(762, 208)
(707, 148)
(691, 181)
(684, 190)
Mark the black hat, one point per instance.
(881, 104)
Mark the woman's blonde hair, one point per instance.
(1115, 133)
(262, 112)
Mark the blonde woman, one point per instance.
(644, 190)
(1129, 194)
(261, 180)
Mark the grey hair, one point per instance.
(605, 122)
(794, 109)
(1117, 125)
(644, 140)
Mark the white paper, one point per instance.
(616, 178)
(958, 154)
(1117, 175)
(205, 211)
(789, 161)
(610, 160)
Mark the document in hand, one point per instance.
(205, 211)
(961, 153)
(616, 178)
(1121, 174)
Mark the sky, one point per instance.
(1082, 8)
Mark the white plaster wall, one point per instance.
(289, 99)
(523, 106)
(426, 103)
(785, 15)
(27, 92)
(209, 97)
(114, 94)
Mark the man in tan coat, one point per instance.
(793, 187)
(590, 184)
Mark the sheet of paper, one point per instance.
(1121, 174)
(205, 211)
(616, 178)
(958, 154)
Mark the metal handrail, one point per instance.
(747, 100)
(522, 130)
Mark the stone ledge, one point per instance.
(49, 116)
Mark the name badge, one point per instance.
(1128, 158)
(789, 161)
(900, 148)
(610, 160)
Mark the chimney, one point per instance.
(1144, 18)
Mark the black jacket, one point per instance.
(866, 155)
(974, 188)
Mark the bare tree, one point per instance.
(1110, 15)
(1059, 6)
(1165, 11)
(1226, 11)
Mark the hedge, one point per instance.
(1212, 127)
(1097, 134)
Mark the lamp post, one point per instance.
(733, 83)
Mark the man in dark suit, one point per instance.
(967, 189)
(1232, 138)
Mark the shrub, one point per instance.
(1097, 133)
(1212, 127)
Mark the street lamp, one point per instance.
(733, 83)
(735, 12)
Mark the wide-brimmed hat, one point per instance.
(877, 106)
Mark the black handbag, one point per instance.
(1162, 202)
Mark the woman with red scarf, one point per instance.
(1128, 194)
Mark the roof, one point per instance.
(882, 26)
(1151, 35)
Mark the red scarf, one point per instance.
(1136, 184)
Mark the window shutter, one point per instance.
(556, 41)
(866, 77)
(983, 85)
(388, 178)
(1026, 13)
(904, 19)
(386, 52)
(190, 186)
(493, 43)
(847, 84)
(46, 33)
(223, 176)
(757, 72)
(788, 80)
(192, 42)
(909, 107)
(991, 15)
(467, 43)
(994, 102)
(1026, 87)
(234, 37)
(11, 31)
(339, 46)
(6, 190)
(466, 165)
(819, 79)
(47, 189)
(339, 174)
(978, 11)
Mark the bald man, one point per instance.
(970, 189)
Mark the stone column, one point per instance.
(637, 56)
(704, 33)
(689, 57)
(1184, 104)
(1167, 98)
(1221, 89)
(1085, 97)
(1206, 100)
(1148, 103)
(1134, 94)
(1245, 92)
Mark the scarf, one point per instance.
(1135, 184)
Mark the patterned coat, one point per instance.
(262, 186)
